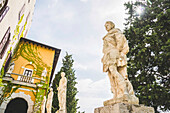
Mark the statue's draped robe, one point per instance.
(115, 48)
(62, 93)
(49, 101)
(43, 105)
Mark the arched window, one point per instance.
(3, 3)
(27, 74)
(3, 8)
(4, 43)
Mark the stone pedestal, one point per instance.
(127, 99)
(124, 108)
(61, 111)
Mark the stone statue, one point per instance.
(49, 101)
(44, 73)
(115, 48)
(43, 105)
(11, 68)
(62, 93)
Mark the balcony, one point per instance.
(22, 79)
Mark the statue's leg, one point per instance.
(130, 88)
(60, 100)
(112, 83)
(62, 103)
(123, 71)
(119, 80)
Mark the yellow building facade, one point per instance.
(31, 69)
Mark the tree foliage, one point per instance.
(72, 102)
(148, 36)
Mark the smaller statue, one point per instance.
(43, 105)
(62, 93)
(49, 101)
(10, 70)
(44, 73)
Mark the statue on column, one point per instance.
(115, 48)
(49, 101)
(62, 89)
(44, 73)
(43, 105)
(11, 68)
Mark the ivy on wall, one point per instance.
(31, 54)
(7, 90)
(38, 100)
(39, 96)
(16, 32)
(2, 73)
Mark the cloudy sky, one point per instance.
(77, 27)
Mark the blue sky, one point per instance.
(77, 27)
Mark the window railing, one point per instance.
(26, 79)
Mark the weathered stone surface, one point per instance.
(124, 108)
(115, 48)
(128, 99)
(62, 89)
(61, 111)
(49, 101)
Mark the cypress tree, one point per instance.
(148, 36)
(72, 102)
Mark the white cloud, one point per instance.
(93, 93)
(79, 66)
(83, 0)
(66, 14)
(52, 3)
(91, 104)
(104, 10)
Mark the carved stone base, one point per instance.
(124, 108)
(128, 99)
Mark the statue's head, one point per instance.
(62, 74)
(51, 89)
(109, 25)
